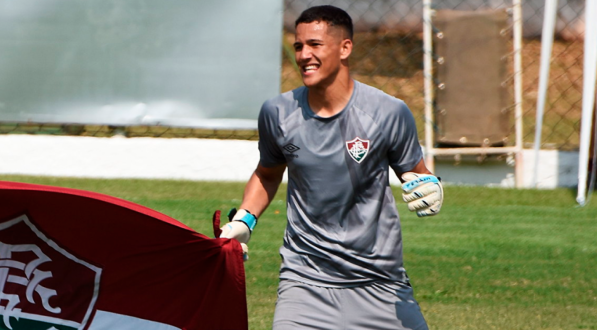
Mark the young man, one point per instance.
(342, 253)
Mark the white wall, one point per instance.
(226, 160)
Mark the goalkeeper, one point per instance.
(342, 262)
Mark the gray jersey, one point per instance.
(343, 227)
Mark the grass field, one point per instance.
(493, 259)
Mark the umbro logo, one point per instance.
(291, 148)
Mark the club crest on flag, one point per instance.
(358, 149)
(42, 286)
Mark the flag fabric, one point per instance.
(72, 259)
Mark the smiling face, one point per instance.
(321, 52)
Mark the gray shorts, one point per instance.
(375, 306)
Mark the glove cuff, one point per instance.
(419, 181)
(244, 216)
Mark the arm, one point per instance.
(262, 188)
(264, 182)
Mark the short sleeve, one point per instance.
(269, 151)
(405, 150)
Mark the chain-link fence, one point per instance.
(561, 126)
(388, 54)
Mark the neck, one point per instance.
(326, 101)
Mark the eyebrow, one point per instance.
(309, 41)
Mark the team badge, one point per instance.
(42, 286)
(358, 149)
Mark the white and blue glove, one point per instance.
(423, 193)
(240, 227)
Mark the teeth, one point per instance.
(310, 67)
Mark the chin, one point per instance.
(307, 84)
(310, 82)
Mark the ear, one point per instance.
(345, 48)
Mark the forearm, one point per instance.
(259, 192)
(261, 189)
(419, 168)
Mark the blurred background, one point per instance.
(188, 69)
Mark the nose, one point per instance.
(304, 54)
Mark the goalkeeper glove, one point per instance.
(240, 227)
(423, 193)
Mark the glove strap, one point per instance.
(426, 178)
(244, 216)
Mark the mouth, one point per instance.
(309, 68)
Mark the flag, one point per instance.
(72, 259)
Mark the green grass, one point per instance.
(493, 259)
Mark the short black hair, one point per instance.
(334, 16)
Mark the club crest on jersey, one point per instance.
(37, 277)
(358, 149)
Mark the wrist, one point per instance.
(244, 216)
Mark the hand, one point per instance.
(423, 193)
(233, 229)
